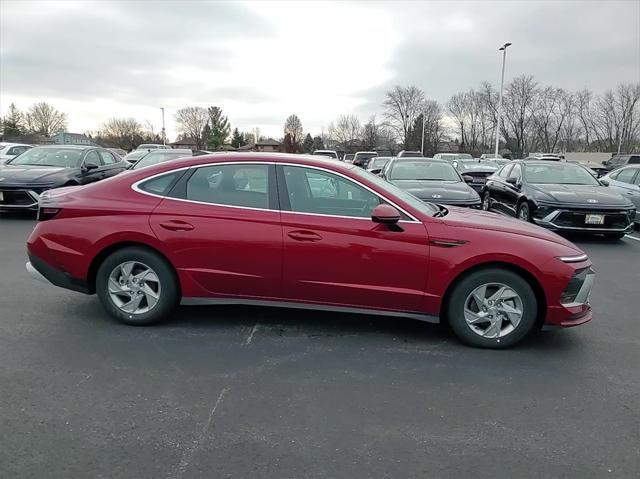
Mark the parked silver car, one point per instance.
(626, 181)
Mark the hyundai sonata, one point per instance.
(297, 231)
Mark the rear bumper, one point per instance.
(43, 271)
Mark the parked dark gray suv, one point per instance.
(616, 161)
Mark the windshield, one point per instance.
(416, 203)
(136, 155)
(423, 170)
(154, 158)
(561, 174)
(365, 156)
(60, 157)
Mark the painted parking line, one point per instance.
(632, 237)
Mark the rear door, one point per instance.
(222, 227)
(335, 254)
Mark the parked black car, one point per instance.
(434, 181)
(560, 196)
(617, 161)
(25, 177)
(479, 170)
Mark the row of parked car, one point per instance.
(541, 189)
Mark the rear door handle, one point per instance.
(176, 225)
(304, 235)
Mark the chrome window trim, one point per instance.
(135, 187)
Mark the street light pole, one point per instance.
(504, 59)
(422, 150)
(164, 136)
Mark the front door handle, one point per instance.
(301, 235)
(176, 225)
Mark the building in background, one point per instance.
(64, 138)
(268, 145)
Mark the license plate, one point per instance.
(594, 219)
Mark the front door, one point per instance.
(335, 255)
(223, 230)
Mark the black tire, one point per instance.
(524, 212)
(486, 201)
(169, 293)
(614, 236)
(463, 289)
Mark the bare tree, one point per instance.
(127, 133)
(550, 113)
(293, 128)
(519, 103)
(190, 122)
(402, 106)
(346, 129)
(44, 119)
(434, 128)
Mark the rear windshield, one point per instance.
(59, 157)
(365, 156)
(423, 170)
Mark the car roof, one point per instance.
(422, 159)
(70, 147)
(4, 144)
(543, 162)
(255, 157)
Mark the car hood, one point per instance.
(437, 190)
(28, 174)
(484, 220)
(581, 195)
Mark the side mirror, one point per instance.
(376, 171)
(512, 181)
(90, 165)
(385, 214)
(467, 178)
(605, 162)
(604, 182)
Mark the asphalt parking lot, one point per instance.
(246, 392)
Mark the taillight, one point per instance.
(46, 213)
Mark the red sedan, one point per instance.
(297, 231)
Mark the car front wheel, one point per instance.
(137, 286)
(486, 201)
(492, 308)
(524, 212)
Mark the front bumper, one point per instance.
(43, 271)
(18, 199)
(577, 309)
(573, 220)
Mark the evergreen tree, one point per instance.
(308, 144)
(237, 140)
(219, 128)
(318, 144)
(13, 123)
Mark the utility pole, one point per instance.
(164, 136)
(503, 49)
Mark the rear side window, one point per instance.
(625, 175)
(504, 172)
(107, 158)
(160, 185)
(233, 185)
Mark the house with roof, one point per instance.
(65, 138)
(268, 145)
(188, 143)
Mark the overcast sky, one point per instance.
(262, 61)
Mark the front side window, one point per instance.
(233, 185)
(516, 172)
(92, 157)
(321, 192)
(504, 172)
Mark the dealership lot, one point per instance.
(248, 392)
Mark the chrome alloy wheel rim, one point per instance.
(485, 203)
(134, 288)
(493, 310)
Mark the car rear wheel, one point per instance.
(137, 286)
(486, 201)
(524, 212)
(492, 308)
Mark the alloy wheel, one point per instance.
(493, 310)
(523, 213)
(134, 287)
(485, 202)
